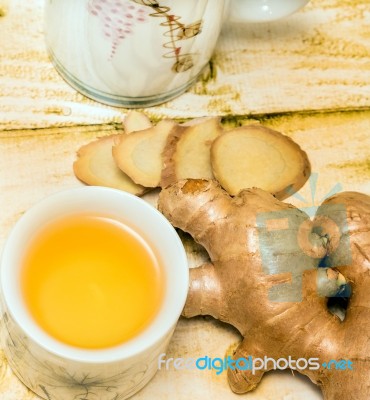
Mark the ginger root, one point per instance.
(157, 156)
(136, 121)
(187, 153)
(95, 166)
(200, 149)
(254, 155)
(262, 279)
(139, 155)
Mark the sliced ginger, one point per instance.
(152, 156)
(139, 155)
(187, 155)
(256, 156)
(95, 166)
(136, 121)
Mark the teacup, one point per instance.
(58, 371)
(139, 53)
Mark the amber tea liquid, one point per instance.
(91, 281)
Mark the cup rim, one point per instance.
(145, 340)
(268, 10)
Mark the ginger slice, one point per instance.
(136, 121)
(140, 155)
(256, 156)
(187, 154)
(95, 166)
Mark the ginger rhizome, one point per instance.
(95, 164)
(263, 273)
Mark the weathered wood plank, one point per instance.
(317, 59)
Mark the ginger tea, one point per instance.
(91, 281)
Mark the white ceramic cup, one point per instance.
(263, 10)
(138, 53)
(56, 371)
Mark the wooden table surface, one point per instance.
(307, 76)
